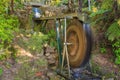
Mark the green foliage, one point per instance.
(3, 6)
(18, 4)
(118, 1)
(2, 56)
(1, 71)
(113, 32)
(64, 1)
(25, 73)
(52, 36)
(56, 2)
(98, 16)
(107, 4)
(99, 12)
(36, 41)
(104, 15)
(116, 50)
(103, 50)
(8, 25)
(29, 69)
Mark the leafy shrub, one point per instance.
(113, 32)
(107, 4)
(103, 50)
(36, 41)
(116, 50)
(8, 25)
(52, 36)
(107, 16)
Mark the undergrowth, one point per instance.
(34, 42)
(106, 14)
(29, 69)
(8, 26)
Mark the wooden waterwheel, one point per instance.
(79, 35)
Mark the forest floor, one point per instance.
(29, 66)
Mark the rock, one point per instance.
(49, 57)
(50, 50)
(50, 73)
(51, 61)
(45, 45)
(47, 54)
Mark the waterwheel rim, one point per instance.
(77, 37)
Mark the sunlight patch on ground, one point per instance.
(23, 52)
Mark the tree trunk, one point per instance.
(80, 5)
(71, 5)
(12, 7)
(115, 8)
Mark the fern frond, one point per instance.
(99, 12)
(113, 31)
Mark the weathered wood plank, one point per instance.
(70, 15)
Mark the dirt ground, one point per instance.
(35, 67)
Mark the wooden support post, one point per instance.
(65, 52)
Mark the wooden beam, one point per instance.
(71, 15)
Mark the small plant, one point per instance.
(113, 32)
(116, 50)
(1, 71)
(95, 68)
(52, 36)
(36, 41)
(25, 72)
(114, 36)
(29, 69)
(103, 50)
(56, 2)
